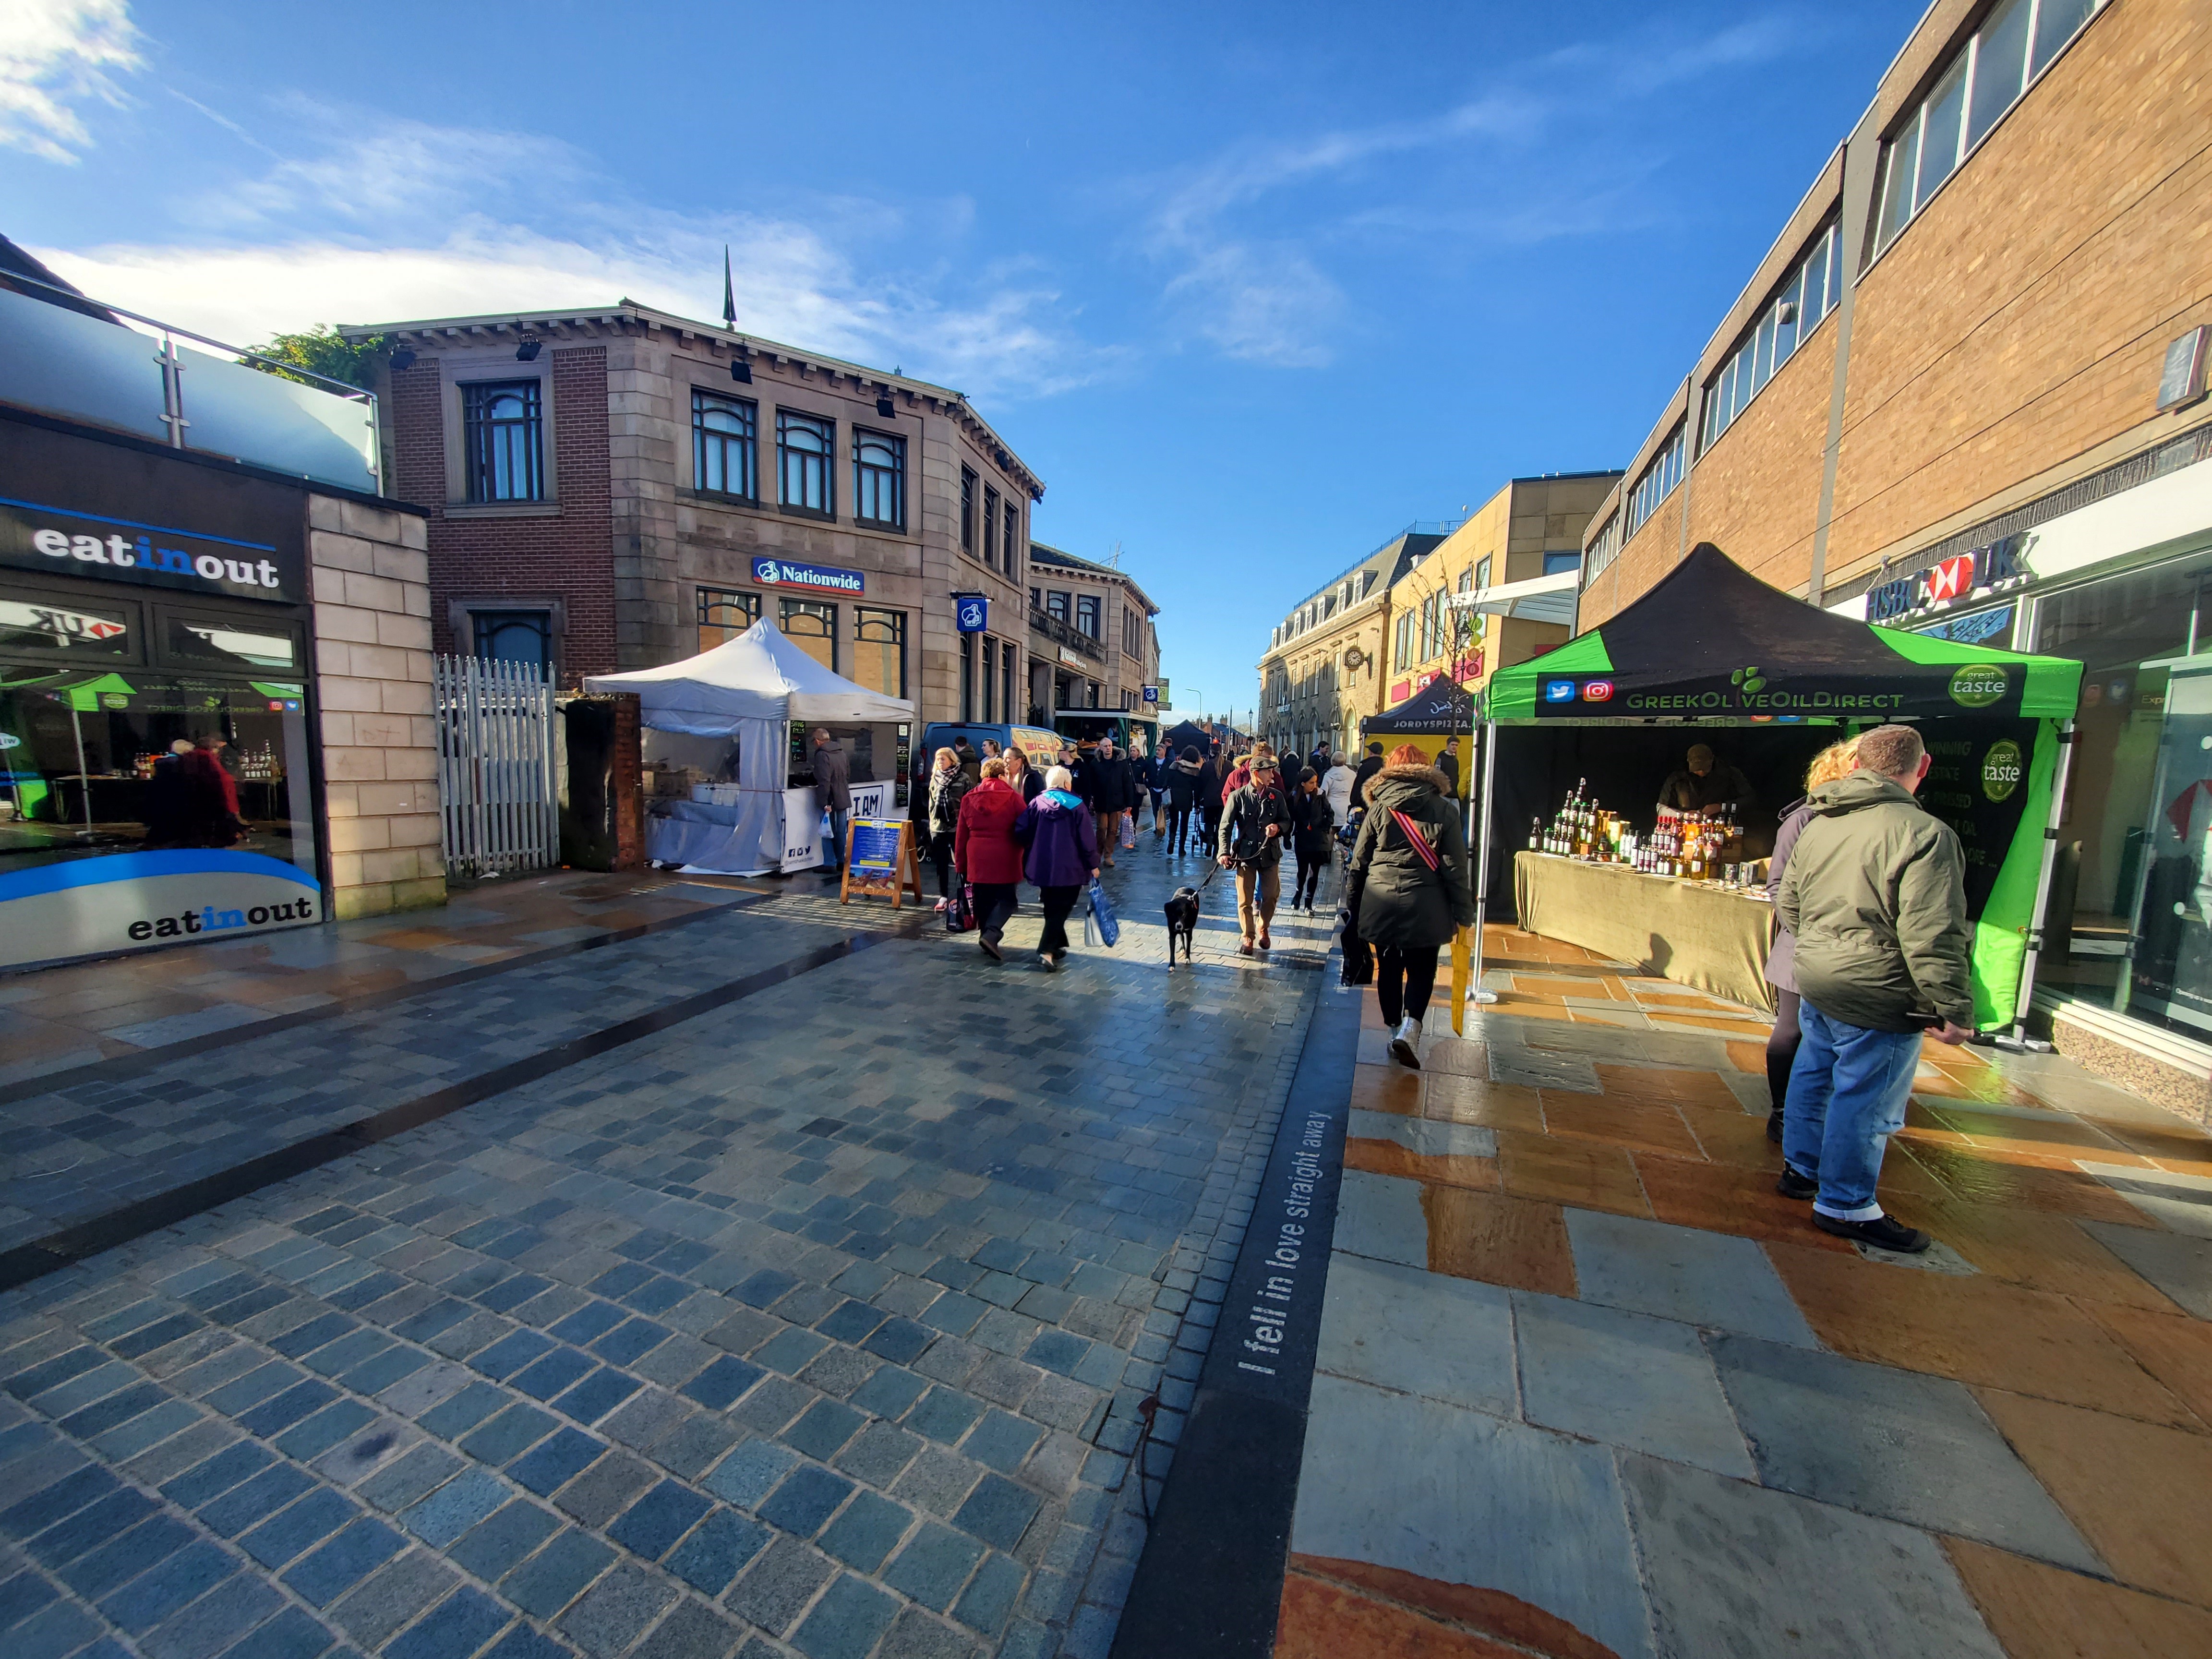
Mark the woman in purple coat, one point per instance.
(1063, 854)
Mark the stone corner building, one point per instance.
(620, 488)
(1096, 645)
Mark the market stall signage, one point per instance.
(819, 578)
(36, 536)
(1987, 568)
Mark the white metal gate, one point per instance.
(496, 766)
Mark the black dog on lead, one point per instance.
(1182, 909)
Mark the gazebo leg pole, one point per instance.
(1474, 991)
(2017, 1040)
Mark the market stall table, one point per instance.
(1697, 934)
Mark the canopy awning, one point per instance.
(1536, 598)
(1440, 708)
(759, 675)
(1712, 642)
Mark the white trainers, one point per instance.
(1406, 1042)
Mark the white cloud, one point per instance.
(54, 55)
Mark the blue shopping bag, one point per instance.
(1101, 913)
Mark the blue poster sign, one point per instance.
(819, 578)
(875, 846)
(973, 611)
(1152, 695)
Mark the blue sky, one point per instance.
(1250, 287)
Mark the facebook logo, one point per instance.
(1558, 690)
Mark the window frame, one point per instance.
(792, 605)
(787, 420)
(477, 430)
(744, 600)
(1096, 632)
(867, 616)
(1666, 469)
(749, 443)
(1767, 344)
(990, 528)
(869, 476)
(968, 483)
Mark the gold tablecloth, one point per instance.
(1694, 932)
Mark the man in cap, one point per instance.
(833, 776)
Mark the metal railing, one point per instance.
(501, 812)
(1044, 622)
(66, 360)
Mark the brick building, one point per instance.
(1963, 392)
(1094, 643)
(622, 488)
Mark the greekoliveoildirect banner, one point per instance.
(82, 907)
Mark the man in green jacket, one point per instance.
(1875, 892)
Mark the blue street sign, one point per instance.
(973, 611)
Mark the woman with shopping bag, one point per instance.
(1062, 842)
(1410, 863)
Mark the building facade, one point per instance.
(215, 713)
(1964, 392)
(1530, 529)
(1324, 671)
(1093, 641)
(623, 488)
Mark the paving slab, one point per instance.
(2176, 1263)
(1430, 1137)
(1462, 1497)
(1700, 1278)
(1419, 1333)
(1737, 1572)
(1627, 1379)
(1381, 1216)
(1890, 1443)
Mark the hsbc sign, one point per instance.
(1995, 567)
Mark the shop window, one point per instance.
(67, 630)
(503, 440)
(724, 446)
(805, 445)
(990, 677)
(1007, 679)
(2015, 45)
(879, 479)
(724, 613)
(880, 651)
(967, 676)
(107, 763)
(812, 627)
(2131, 881)
(207, 642)
(524, 636)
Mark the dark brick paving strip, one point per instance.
(813, 1325)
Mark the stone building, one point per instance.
(1093, 643)
(1964, 392)
(620, 488)
(1494, 564)
(1324, 669)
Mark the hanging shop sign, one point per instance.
(1995, 567)
(59, 541)
(817, 578)
(972, 612)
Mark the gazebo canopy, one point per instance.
(759, 675)
(1440, 708)
(1711, 642)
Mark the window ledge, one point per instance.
(503, 509)
(815, 513)
(881, 526)
(719, 498)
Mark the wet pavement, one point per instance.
(1588, 1386)
(786, 1279)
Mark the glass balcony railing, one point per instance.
(57, 362)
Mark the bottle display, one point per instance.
(1691, 846)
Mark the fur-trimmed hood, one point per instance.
(1420, 773)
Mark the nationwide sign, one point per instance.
(819, 578)
(1994, 567)
(60, 542)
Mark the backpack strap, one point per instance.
(1422, 850)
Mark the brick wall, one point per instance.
(370, 569)
(1758, 492)
(568, 553)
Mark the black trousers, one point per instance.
(1210, 819)
(1178, 825)
(1311, 865)
(995, 901)
(940, 855)
(1404, 976)
(1782, 1046)
(1058, 905)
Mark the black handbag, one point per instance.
(1359, 956)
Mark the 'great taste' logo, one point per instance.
(2001, 770)
(1977, 685)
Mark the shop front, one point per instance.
(157, 769)
(2124, 588)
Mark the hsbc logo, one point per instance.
(1597, 692)
(1953, 579)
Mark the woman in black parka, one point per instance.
(1411, 858)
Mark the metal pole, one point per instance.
(2019, 1041)
(1475, 992)
(83, 778)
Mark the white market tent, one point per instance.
(748, 688)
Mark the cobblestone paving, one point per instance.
(816, 1324)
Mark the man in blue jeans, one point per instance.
(1875, 892)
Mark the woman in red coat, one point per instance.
(984, 851)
